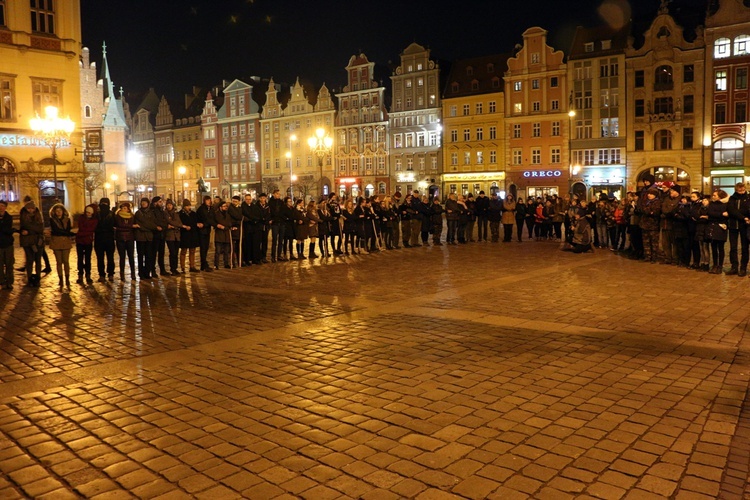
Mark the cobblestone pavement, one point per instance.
(475, 371)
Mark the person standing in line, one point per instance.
(470, 218)
(520, 218)
(452, 211)
(508, 217)
(436, 216)
(260, 214)
(125, 238)
(205, 223)
(650, 218)
(334, 208)
(32, 240)
(287, 215)
(189, 236)
(7, 255)
(145, 225)
(159, 243)
(396, 226)
(275, 204)
(104, 241)
(235, 212)
(415, 226)
(405, 216)
(60, 241)
(85, 243)
(481, 205)
(222, 235)
(301, 227)
(172, 235)
(463, 218)
(717, 230)
(247, 234)
(738, 206)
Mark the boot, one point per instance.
(132, 276)
(732, 271)
(743, 272)
(60, 283)
(67, 280)
(122, 275)
(311, 251)
(300, 251)
(79, 281)
(89, 280)
(714, 270)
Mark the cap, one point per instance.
(186, 202)
(104, 201)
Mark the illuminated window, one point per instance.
(517, 86)
(518, 108)
(8, 180)
(740, 45)
(46, 93)
(7, 98)
(721, 48)
(42, 16)
(721, 80)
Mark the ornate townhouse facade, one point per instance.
(665, 92)
(725, 137)
(536, 122)
(142, 160)
(597, 113)
(473, 117)
(40, 50)
(415, 123)
(209, 180)
(361, 134)
(286, 125)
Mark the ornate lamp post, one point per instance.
(571, 170)
(52, 130)
(320, 144)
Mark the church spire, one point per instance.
(108, 85)
(114, 116)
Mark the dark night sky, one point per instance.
(172, 45)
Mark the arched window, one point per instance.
(8, 180)
(381, 188)
(87, 111)
(728, 152)
(741, 45)
(721, 48)
(454, 87)
(662, 140)
(663, 78)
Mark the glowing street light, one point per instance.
(182, 171)
(320, 144)
(52, 130)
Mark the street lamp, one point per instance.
(321, 145)
(182, 171)
(571, 115)
(52, 130)
(134, 164)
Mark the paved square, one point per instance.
(477, 371)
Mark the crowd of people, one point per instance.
(657, 224)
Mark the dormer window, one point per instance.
(490, 68)
(606, 44)
(588, 47)
(469, 71)
(454, 87)
(474, 85)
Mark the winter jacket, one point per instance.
(222, 234)
(205, 216)
(146, 221)
(86, 229)
(651, 214)
(312, 223)
(31, 221)
(105, 229)
(6, 230)
(717, 221)
(173, 225)
(350, 222)
(494, 211)
(668, 210)
(481, 205)
(452, 209)
(509, 216)
(738, 208)
(301, 224)
(60, 229)
(124, 230)
(189, 238)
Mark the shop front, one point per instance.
(675, 175)
(538, 183)
(408, 182)
(727, 160)
(591, 182)
(465, 183)
(349, 187)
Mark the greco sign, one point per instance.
(542, 173)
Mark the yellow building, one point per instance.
(473, 121)
(40, 49)
(288, 163)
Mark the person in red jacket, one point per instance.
(85, 242)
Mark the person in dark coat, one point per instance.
(287, 215)
(717, 230)
(701, 233)
(125, 238)
(425, 211)
(324, 228)
(350, 228)
(436, 218)
(145, 225)
(104, 241)
(247, 234)
(404, 213)
(680, 228)
(334, 208)
(157, 207)
(301, 227)
(650, 219)
(737, 208)
(223, 235)
(494, 216)
(415, 218)
(7, 255)
(463, 219)
(190, 238)
(85, 242)
(32, 240)
(172, 234)
(60, 241)
(669, 205)
(235, 212)
(520, 218)
(205, 223)
(581, 241)
(692, 223)
(481, 205)
(260, 215)
(470, 218)
(275, 204)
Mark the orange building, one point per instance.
(536, 118)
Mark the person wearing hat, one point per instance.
(7, 256)
(189, 236)
(32, 240)
(669, 206)
(145, 225)
(650, 219)
(125, 238)
(222, 235)
(260, 215)
(104, 241)
(738, 209)
(275, 204)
